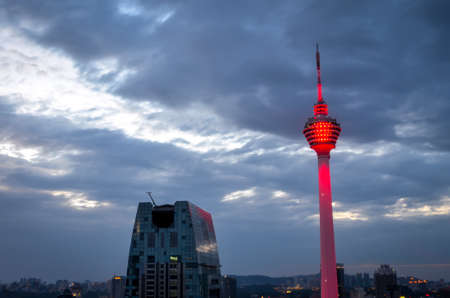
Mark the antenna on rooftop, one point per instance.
(151, 198)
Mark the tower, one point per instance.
(173, 253)
(322, 132)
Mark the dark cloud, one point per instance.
(253, 63)
(385, 72)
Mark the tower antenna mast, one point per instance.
(151, 198)
(319, 82)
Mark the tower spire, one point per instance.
(319, 82)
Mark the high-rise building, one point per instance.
(229, 287)
(366, 280)
(359, 279)
(173, 253)
(340, 279)
(385, 282)
(322, 132)
(118, 286)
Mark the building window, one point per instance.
(173, 239)
(162, 239)
(205, 231)
(151, 259)
(134, 260)
(151, 240)
(214, 281)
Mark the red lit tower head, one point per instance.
(321, 131)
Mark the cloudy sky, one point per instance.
(101, 101)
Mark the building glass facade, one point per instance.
(173, 253)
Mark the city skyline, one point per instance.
(205, 102)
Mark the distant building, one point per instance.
(414, 282)
(76, 289)
(340, 279)
(173, 253)
(366, 280)
(66, 294)
(359, 280)
(385, 282)
(61, 285)
(229, 287)
(357, 293)
(118, 287)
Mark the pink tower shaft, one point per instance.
(327, 249)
